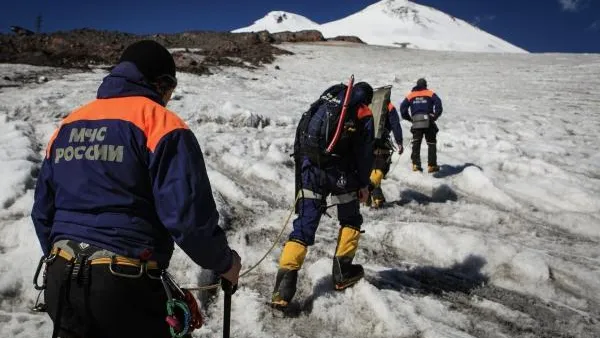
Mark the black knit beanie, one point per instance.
(363, 93)
(151, 58)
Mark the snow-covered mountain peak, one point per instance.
(407, 10)
(280, 21)
(400, 23)
(408, 24)
(399, 9)
(399, 6)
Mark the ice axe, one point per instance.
(229, 289)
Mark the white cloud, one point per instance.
(595, 26)
(572, 5)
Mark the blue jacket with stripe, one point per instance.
(126, 174)
(421, 101)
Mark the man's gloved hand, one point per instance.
(400, 149)
(233, 274)
(433, 117)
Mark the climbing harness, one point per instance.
(79, 258)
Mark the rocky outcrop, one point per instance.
(21, 31)
(347, 38)
(195, 51)
(301, 36)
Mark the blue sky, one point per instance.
(536, 25)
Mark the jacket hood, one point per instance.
(126, 80)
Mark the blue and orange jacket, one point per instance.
(393, 123)
(127, 175)
(421, 101)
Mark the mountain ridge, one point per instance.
(394, 23)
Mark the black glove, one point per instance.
(227, 287)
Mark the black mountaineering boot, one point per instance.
(285, 288)
(345, 273)
(291, 260)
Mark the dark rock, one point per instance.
(347, 38)
(265, 36)
(21, 31)
(301, 36)
(402, 44)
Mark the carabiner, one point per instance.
(165, 283)
(43, 261)
(173, 284)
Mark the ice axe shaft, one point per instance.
(228, 289)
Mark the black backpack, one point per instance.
(318, 125)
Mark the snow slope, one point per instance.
(396, 23)
(503, 242)
(280, 21)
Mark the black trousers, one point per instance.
(106, 305)
(430, 136)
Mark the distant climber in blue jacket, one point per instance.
(425, 108)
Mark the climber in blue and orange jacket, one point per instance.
(383, 149)
(425, 108)
(344, 176)
(123, 180)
